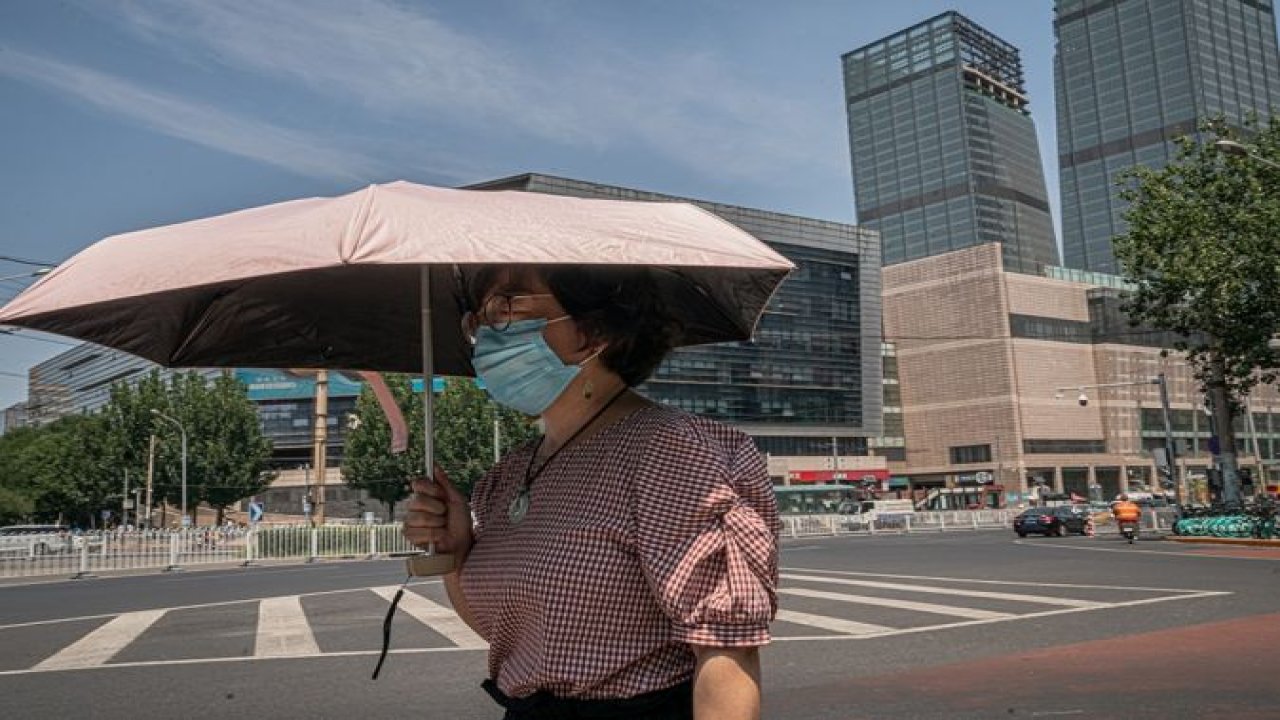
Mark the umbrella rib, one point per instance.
(200, 324)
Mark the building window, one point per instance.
(965, 454)
(1064, 447)
(892, 454)
(1048, 328)
(812, 446)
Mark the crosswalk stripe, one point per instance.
(103, 643)
(437, 617)
(283, 629)
(1064, 602)
(845, 627)
(971, 613)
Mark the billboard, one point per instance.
(288, 385)
(300, 385)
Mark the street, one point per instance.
(947, 625)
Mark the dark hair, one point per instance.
(619, 305)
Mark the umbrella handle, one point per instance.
(431, 563)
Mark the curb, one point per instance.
(1223, 541)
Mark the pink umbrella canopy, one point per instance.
(336, 282)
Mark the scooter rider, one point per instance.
(1126, 512)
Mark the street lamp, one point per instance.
(1169, 452)
(185, 519)
(25, 275)
(1235, 149)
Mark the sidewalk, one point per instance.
(1209, 540)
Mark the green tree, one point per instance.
(465, 431)
(464, 422)
(367, 462)
(65, 473)
(130, 423)
(233, 453)
(227, 455)
(1203, 252)
(16, 503)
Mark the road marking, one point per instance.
(1027, 616)
(240, 658)
(1020, 583)
(1061, 546)
(847, 627)
(196, 606)
(971, 613)
(437, 617)
(1065, 602)
(283, 629)
(103, 643)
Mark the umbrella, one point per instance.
(339, 282)
(361, 281)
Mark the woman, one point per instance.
(624, 564)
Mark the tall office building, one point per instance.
(1131, 76)
(943, 146)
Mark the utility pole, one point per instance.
(1170, 452)
(319, 454)
(151, 472)
(124, 501)
(497, 436)
(308, 502)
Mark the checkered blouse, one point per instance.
(657, 532)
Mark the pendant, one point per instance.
(519, 506)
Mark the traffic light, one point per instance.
(1246, 477)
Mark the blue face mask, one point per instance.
(519, 369)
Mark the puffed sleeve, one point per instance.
(706, 532)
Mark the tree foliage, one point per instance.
(74, 468)
(367, 461)
(464, 431)
(464, 418)
(59, 472)
(1203, 252)
(226, 452)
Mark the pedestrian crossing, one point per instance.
(815, 604)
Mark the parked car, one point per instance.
(35, 539)
(1059, 520)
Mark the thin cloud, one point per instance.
(591, 93)
(189, 120)
(380, 54)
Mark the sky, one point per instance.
(117, 115)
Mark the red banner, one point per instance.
(850, 477)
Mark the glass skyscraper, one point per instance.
(943, 145)
(1132, 75)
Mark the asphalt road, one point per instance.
(956, 625)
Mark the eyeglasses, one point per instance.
(498, 311)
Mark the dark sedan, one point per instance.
(1060, 520)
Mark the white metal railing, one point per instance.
(109, 551)
(934, 521)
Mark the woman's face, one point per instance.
(517, 294)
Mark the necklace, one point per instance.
(519, 506)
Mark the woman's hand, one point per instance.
(439, 514)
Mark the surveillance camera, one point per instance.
(1083, 400)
